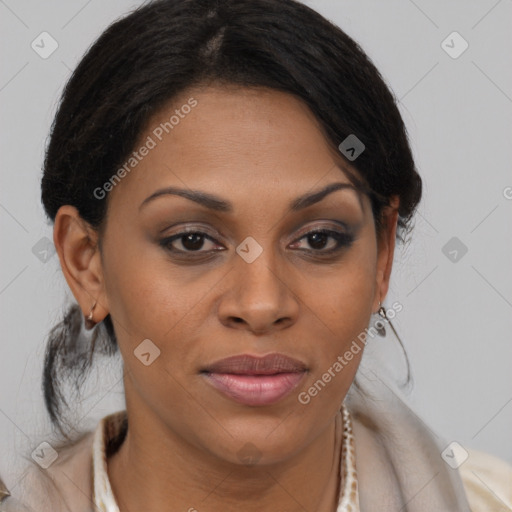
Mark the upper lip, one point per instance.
(247, 364)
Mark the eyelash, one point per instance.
(344, 240)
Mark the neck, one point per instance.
(156, 469)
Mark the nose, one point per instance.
(259, 296)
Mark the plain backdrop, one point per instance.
(454, 279)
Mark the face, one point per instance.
(240, 272)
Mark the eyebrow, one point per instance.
(218, 204)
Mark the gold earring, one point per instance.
(89, 318)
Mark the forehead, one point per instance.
(234, 141)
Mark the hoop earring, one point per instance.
(89, 322)
(381, 331)
(379, 324)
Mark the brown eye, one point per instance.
(190, 241)
(319, 239)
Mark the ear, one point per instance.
(385, 251)
(80, 260)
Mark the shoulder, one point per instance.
(487, 481)
(66, 484)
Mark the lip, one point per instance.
(254, 380)
(247, 364)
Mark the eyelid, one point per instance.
(188, 226)
(324, 226)
(198, 227)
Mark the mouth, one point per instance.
(255, 381)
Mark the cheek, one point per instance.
(141, 284)
(342, 305)
(345, 295)
(151, 299)
(151, 304)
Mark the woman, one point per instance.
(227, 181)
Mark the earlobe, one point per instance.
(76, 244)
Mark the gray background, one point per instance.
(456, 320)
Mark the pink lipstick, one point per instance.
(255, 381)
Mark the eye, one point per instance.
(188, 242)
(319, 239)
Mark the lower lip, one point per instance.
(254, 389)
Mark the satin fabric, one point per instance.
(399, 463)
